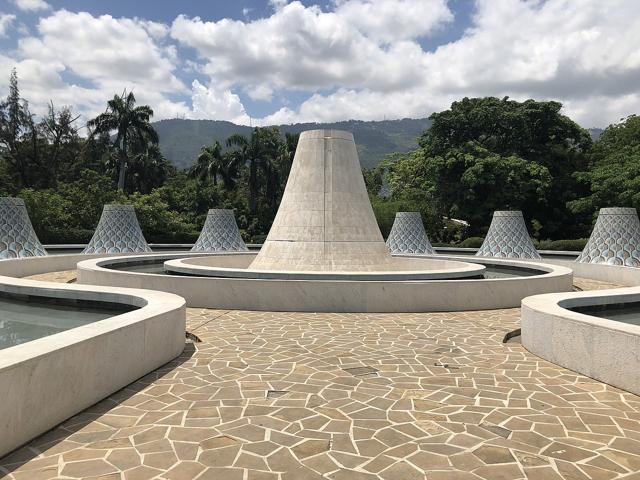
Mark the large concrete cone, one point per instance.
(408, 235)
(220, 233)
(325, 220)
(508, 237)
(615, 239)
(118, 231)
(17, 237)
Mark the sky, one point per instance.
(278, 61)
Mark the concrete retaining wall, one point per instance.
(338, 296)
(606, 350)
(45, 381)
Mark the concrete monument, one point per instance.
(17, 237)
(408, 235)
(220, 233)
(325, 220)
(508, 237)
(118, 231)
(615, 239)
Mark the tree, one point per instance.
(131, 125)
(487, 153)
(259, 151)
(61, 138)
(148, 169)
(613, 173)
(212, 163)
(14, 118)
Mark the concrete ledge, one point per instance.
(337, 295)
(618, 275)
(401, 269)
(45, 381)
(606, 350)
(25, 267)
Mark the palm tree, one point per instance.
(129, 122)
(246, 152)
(260, 150)
(209, 163)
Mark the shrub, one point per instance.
(566, 245)
(471, 242)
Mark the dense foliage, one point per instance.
(481, 155)
(486, 154)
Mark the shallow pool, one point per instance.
(24, 318)
(621, 312)
(156, 266)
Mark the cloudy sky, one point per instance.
(276, 61)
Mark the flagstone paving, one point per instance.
(263, 395)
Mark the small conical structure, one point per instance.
(17, 237)
(508, 237)
(325, 221)
(615, 239)
(118, 231)
(220, 233)
(408, 235)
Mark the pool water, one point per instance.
(156, 266)
(25, 318)
(620, 312)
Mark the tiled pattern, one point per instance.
(508, 237)
(118, 231)
(220, 233)
(408, 235)
(615, 238)
(432, 396)
(17, 237)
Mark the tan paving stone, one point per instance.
(448, 399)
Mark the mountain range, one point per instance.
(182, 139)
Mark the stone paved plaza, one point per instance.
(348, 396)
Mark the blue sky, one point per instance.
(277, 61)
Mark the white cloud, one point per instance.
(213, 102)
(357, 59)
(32, 5)
(304, 48)
(6, 20)
(583, 54)
(392, 20)
(278, 4)
(81, 60)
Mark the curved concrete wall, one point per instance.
(416, 268)
(340, 296)
(606, 350)
(83, 365)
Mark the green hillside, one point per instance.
(181, 140)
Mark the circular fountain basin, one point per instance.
(401, 269)
(344, 294)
